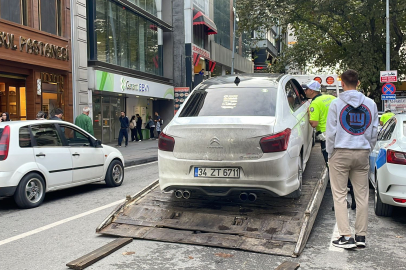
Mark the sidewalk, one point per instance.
(138, 152)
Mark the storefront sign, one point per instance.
(35, 47)
(396, 105)
(106, 81)
(181, 93)
(127, 85)
(51, 78)
(202, 52)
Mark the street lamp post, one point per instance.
(232, 55)
(387, 37)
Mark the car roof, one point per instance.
(245, 80)
(32, 122)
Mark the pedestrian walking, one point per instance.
(151, 126)
(318, 111)
(158, 122)
(133, 129)
(58, 114)
(84, 121)
(139, 126)
(352, 129)
(123, 129)
(5, 117)
(385, 117)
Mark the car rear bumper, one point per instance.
(392, 184)
(274, 173)
(7, 191)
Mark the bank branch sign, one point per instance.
(126, 85)
(106, 81)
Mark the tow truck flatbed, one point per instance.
(270, 225)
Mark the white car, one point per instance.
(249, 134)
(388, 166)
(42, 155)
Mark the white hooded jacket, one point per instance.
(352, 122)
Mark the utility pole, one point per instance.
(387, 37)
(232, 57)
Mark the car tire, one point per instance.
(30, 191)
(115, 174)
(297, 193)
(381, 209)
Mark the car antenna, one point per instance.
(237, 81)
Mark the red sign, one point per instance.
(202, 52)
(389, 76)
(330, 80)
(318, 79)
(388, 89)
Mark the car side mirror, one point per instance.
(98, 144)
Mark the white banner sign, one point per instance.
(389, 76)
(396, 106)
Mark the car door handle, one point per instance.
(75, 154)
(40, 155)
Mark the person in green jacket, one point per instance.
(385, 117)
(84, 121)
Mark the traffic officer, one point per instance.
(318, 111)
(385, 117)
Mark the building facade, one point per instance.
(35, 58)
(123, 62)
(203, 40)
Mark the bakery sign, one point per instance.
(33, 46)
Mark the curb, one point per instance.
(139, 161)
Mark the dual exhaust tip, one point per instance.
(185, 194)
(244, 196)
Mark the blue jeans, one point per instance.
(123, 132)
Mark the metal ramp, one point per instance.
(278, 226)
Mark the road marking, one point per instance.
(149, 163)
(52, 225)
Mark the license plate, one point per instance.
(217, 172)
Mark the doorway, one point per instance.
(13, 98)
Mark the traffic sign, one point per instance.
(388, 89)
(389, 76)
(318, 79)
(330, 80)
(388, 97)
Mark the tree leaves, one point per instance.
(335, 34)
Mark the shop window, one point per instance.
(15, 11)
(49, 14)
(13, 98)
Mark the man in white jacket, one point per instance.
(351, 133)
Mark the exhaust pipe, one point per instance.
(243, 196)
(179, 194)
(186, 194)
(252, 197)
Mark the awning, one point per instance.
(200, 19)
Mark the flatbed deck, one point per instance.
(278, 226)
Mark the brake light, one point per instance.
(166, 143)
(399, 200)
(4, 143)
(276, 143)
(396, 157)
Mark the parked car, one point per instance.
(42, 155)
(387, 166)
(247, 134)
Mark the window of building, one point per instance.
(15, 11)
(13, 98)
(49, 14)
(199, 36)
(148, 5)
(125, 39)
(222, 21)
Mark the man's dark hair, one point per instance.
(350, 78)
(58, 111)
(123, 112)
(137, 115)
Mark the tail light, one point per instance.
(4, 143)
(276, 143)
(399, 200)
(166, 143)
(396, 157)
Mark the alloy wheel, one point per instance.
(117, 173)
(34, 190)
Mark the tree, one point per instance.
(334, 33)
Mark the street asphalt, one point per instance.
(63, 229)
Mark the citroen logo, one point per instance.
(215, 141)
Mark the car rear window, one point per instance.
(231, 102)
